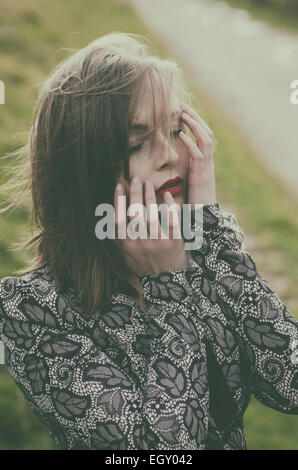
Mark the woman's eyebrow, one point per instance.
(140, 127)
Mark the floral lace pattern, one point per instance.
(179, 378)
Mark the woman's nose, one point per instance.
(165, 153)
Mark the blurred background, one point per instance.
(239, 57)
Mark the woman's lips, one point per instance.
(174, 190)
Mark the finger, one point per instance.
(197, 163)
(197, 117)
(153, 225)
(192, 148)
(203, 140)
(136, 197)
(173, 217)
(120, 210)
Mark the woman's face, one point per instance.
(156, 159)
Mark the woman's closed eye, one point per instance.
(138, 147)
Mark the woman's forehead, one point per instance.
(143, 118)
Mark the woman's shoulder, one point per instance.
(33, 277)
(38, 282)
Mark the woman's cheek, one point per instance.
(138, 164)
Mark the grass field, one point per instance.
(33, 38)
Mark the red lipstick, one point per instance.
(174, 186)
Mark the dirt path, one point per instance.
(246, 65)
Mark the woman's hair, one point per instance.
(76, 150)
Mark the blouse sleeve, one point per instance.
(267, 331)
(76, 385)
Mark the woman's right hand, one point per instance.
(147, 256)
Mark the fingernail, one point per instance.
(118, 187)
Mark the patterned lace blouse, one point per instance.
(179, 378)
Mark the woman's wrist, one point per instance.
(210, 218)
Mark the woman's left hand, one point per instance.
(201, 181)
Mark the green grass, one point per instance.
(277, 15)
(266, 429)
(36, 34)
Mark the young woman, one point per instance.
(137, 343)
